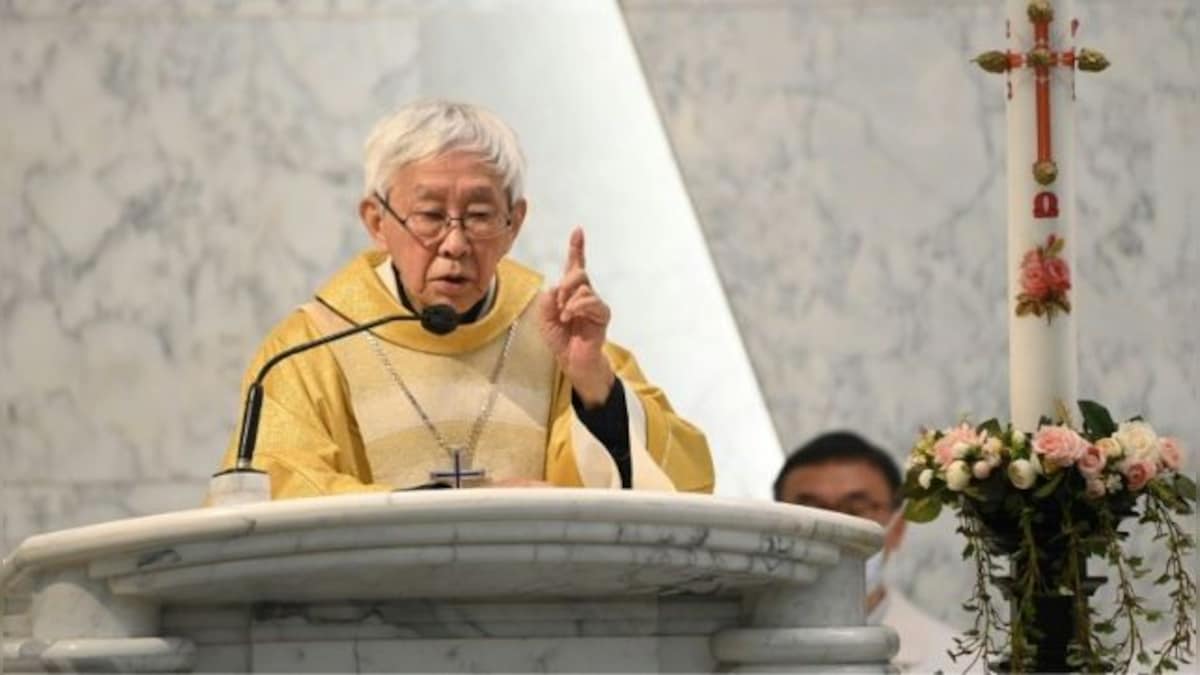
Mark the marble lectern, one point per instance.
(480, 580)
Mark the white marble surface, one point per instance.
(846, 161)
(180, 175)
(133, 655)
(543, 579)
(420, 519)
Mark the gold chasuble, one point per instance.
(338, 418)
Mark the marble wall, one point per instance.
(847, 163)
(179, 175)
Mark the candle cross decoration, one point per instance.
(1042, 58)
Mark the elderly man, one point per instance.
(527, 391)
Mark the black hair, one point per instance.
(842, 446)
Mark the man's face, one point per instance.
(454, 270)
(855, 487)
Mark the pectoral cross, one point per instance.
(459, 472)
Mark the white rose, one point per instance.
(982, 469)
(925, 478)
(957, 476)
(1138, 439)
(960, 449)
(1022, 474)
(992, 450)
(1113, 483)
(1018, 438)
(1111, 448)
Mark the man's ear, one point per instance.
(520, 209)
(371, 215)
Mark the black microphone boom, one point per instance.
(437, 319)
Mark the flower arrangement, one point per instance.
(1045, 280)
(1048, 500)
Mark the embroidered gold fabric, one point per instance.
(334, 422)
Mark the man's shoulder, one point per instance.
(293, 329)
(356, 271)
(924, 639)
(902, 610)
(512, 270)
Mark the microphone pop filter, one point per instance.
(439, 319)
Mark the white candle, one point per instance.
(1042, 348)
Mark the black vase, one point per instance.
(1056, 618)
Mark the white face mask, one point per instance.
(876, 562)
(875, 571)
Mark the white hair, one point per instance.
(425, 129)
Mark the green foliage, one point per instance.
(1048, 488)
(1097, 422)
(1047, 528)
(924, 510)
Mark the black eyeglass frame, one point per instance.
(445, 231)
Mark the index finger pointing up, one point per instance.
(575, 257)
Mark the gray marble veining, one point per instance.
(180, 175)
(844, 159)
(847, 163)
(558, 580)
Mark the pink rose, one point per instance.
(1091, 462)
(1057, 274)
(944, 451)
(1033, 275)
(1170, 452)
(1059, 445)
(1138, 473)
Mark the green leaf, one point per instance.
(992, 427)
(1185, 487)
(1050, 486)
(1143, 658)
(1057, 247)
(1097, 423)
(923, 510)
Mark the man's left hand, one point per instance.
(574, 322)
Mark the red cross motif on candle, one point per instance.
(1041, 58)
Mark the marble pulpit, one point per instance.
(481, 580)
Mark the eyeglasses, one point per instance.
(862, 507)
(430, 227)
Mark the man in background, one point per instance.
(840, 471)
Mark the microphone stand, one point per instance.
(243, 483)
